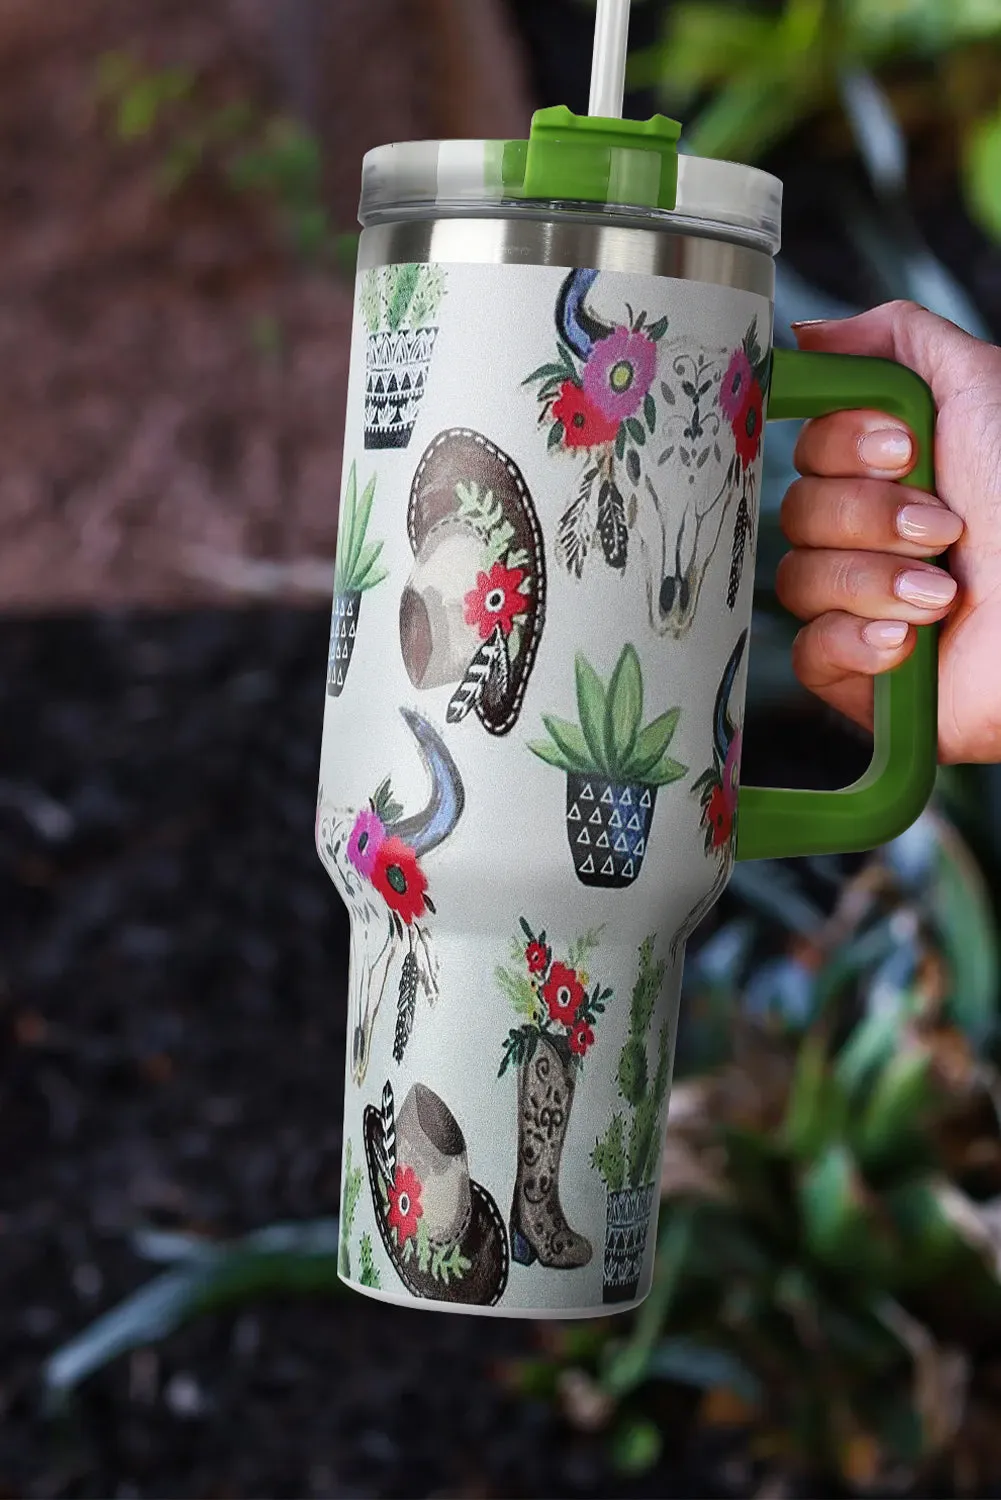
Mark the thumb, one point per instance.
(947, 359)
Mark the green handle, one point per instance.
(776, 824)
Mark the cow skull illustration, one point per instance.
(386, 920)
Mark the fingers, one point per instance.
(946, 357)
(837, 656)
(868, 585)
(867, 514)
(863, 444)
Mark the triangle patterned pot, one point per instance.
(343, 634)
(608, 828)
(397, 366)
(626, 1230)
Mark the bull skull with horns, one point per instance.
(374, 859)
(669, 433)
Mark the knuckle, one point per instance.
(845, 578)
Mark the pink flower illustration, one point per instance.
(736, 386)
(619, 373)
(365, 842)
(731, 772)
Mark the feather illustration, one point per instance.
(612, 525)
(490, 665)
(406, 1006)
(385, 1144)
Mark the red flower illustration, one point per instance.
(581, 1037)
(563, 994)
(496, 600)
(405, 1206)
(584, 426)
(536, 957)
(747, 426)
(719, 817)
(400, 879)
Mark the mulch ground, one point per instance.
(172, 967)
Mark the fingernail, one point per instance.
(809, 323)
(933, 524)
(925, 587)
(885, 635)
(887, 449)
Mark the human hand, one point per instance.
(856, 572)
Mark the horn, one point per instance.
(723, 726)
(579, 327)
(427, 829)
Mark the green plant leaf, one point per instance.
(889, 1126)
(817, 1110)
(367, 573)
(552, 755)
(652, 742)
(664, 772)
(404, 287)
(570, 740)
(346, 528)
(360, 529)
(591, 709)
(838, 1224)
(623, 710)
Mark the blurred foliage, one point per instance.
(828, 1279)
(753, 73)
(270, 157)
(829, 1260)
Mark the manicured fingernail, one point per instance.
(933, 524)
(888, 449)
(885, 635)
(925, 587)
(809, 323)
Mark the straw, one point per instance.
(608, 70)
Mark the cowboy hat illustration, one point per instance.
(375, 857)
(472, 611)
(441, 1230)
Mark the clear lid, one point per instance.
(638, 182)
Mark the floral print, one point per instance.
(405, 1204)
(398, 877)
(735, 384)
(363, 845)
(496, 601)
(563, 994)
(581, 1038)
(747, 426)
(554, 996)
(583, 424)
(619, 373)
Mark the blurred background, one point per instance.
(178, 185)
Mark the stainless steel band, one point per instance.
(524, 240)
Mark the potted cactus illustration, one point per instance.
(614, 767)
(626, 1156)
(400, 307)
(357, 570)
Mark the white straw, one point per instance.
(608, 70)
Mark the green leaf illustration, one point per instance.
(623, 709)
(345, 529)
(570, 741)
(591, 708)
(552, 755)
(636, 432)
(546, 372)
(652, 742)
(650, 411)
(402, 295)
(657, 330)
(664, 772)
(367, 574)
(360, 528)
(620, 442)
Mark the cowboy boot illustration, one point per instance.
(539, 1229)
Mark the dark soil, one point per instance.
(172, 1022)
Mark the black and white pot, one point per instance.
(608, 828)
(397, 366)
(343, 632)
(626, 1230)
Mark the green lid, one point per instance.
(584, 159)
